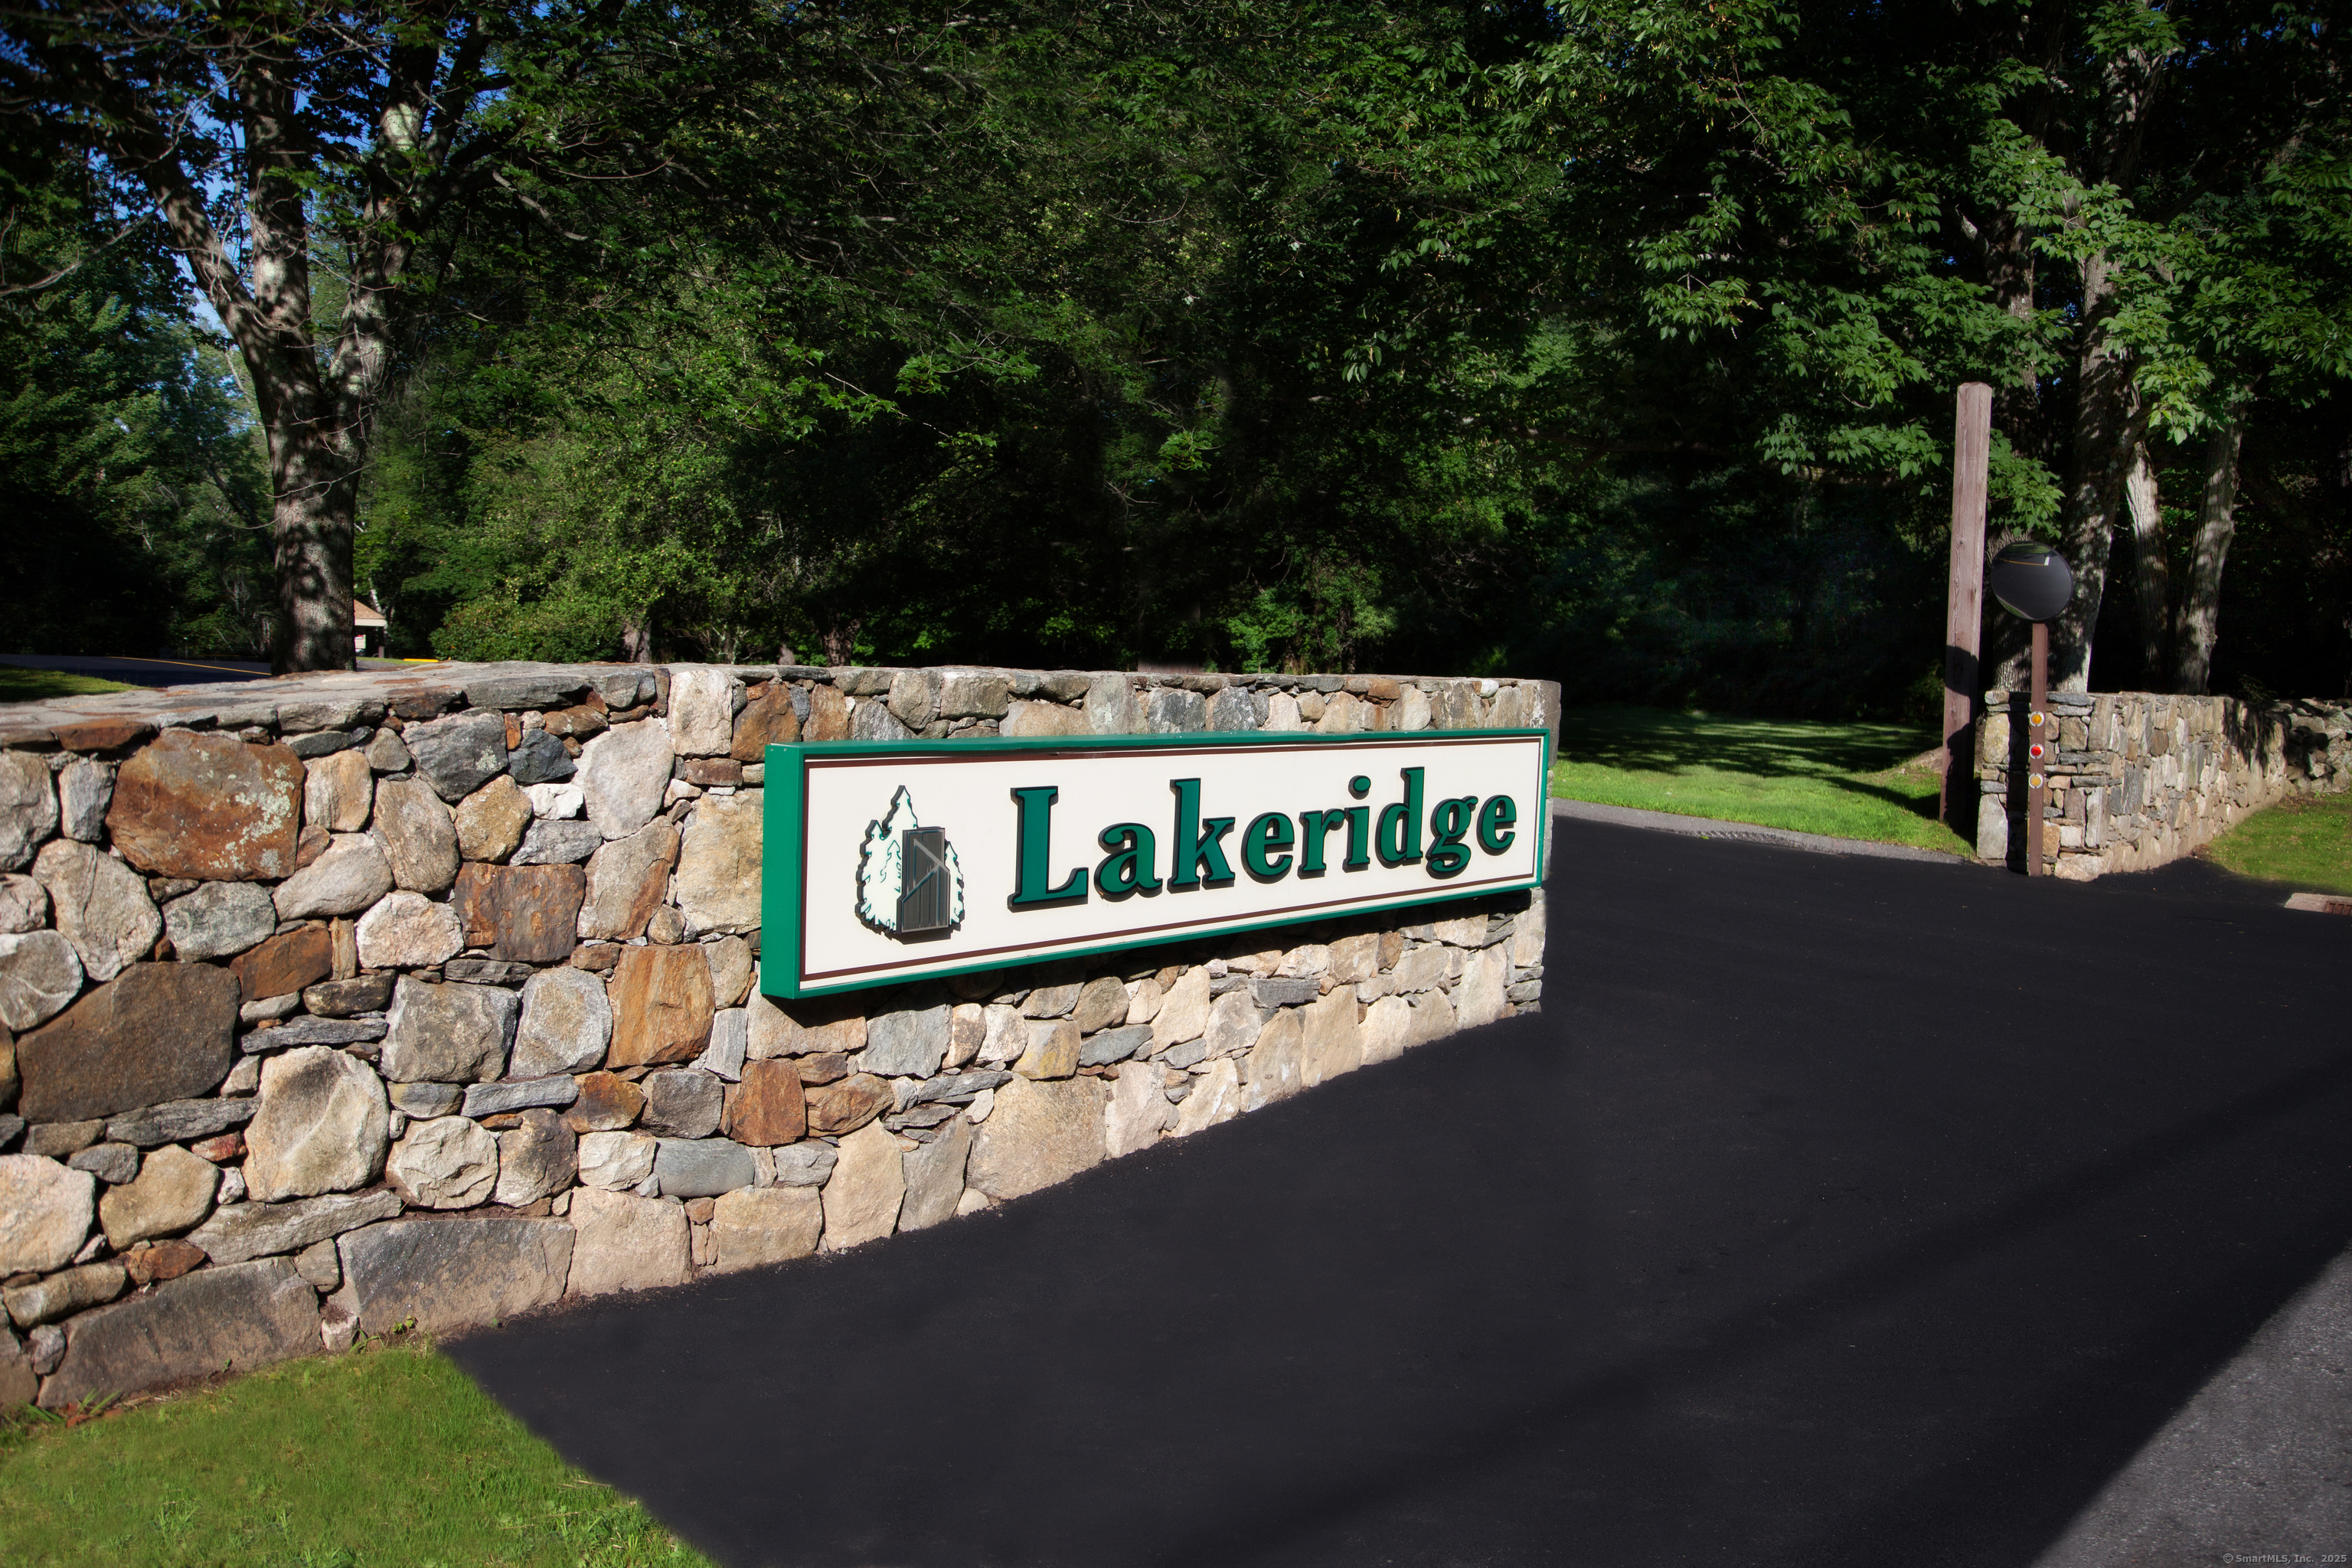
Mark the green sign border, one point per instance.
(787, 788)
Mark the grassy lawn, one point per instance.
(1849, 781)
(389, 1457)
(2305, 843)
(31, 685)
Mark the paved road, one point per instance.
(143, 671)
(1835, 1210)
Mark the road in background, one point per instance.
(1835, 1210)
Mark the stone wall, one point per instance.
(2141, 778)
(338, 1002)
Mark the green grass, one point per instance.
(389, 1457)
(2306, 842)
(1848, 781)
(17, 685)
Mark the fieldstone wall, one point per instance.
(336, 1002)
(2141, 778)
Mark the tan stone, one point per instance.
(418, 836)
(863, 1194)
(851, 1103)
(718, 885)
(1216, 1097)
(751, 1227)
(808, 1028)
(607, 1103)
(1183, 1012)
(1143, 1000)
(731, 969)
(625, 1242)
(491, 821)
(322, 1126)
(45, 1213)
(934, 1173)
(1136, 1112)
(1029, 720)
(828, 718)
(100, 905)
(661, 1007)
(1053, 1050)
(1101, 1006)
(627, 880)
(967, 1032)
(1275, 1068)
(768, 1107)
(1485, 981)
(529, 914)
(406, 930)
(447, 1162)
(1039, 1134)
(1387, 1029)
(173, 1191)
(1527, 933)
(209, 806)
(1234, 1020)
(768, 720)
(338, 790)
(1355, 959)
(1334, 1039)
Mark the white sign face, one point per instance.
(886, 863)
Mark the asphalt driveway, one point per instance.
(1833, 1211)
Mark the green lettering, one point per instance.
(1447, 823)
(1200, 859)
(1495, 821)
(1033, 843)
(1313, 827)
(1359, 836)
(1267, 834)
(1133, 865)
(1399, 839)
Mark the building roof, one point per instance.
(366, 615)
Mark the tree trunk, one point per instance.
(2217, 521)
(2108, 424)
(2151, 578)
(311, 521)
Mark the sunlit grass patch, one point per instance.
(2305, 842)
(21, 685)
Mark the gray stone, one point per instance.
(972, 694)
(173, 1191)
(160, 1032)
(755, 1227)
(1233, 1023)
(487, 970)
(520, 1094)
(39, 973)
(335, 1032)
(731, 1033)
(617, 1160)
(57, 1140)
(349, 876)
(24, 904)
(408, 931)
(732, 967)
(101, 905)
(387, 754)
(344, 998)
(29, 808)
(417, 834)
(458, 754)
(1051, 1001)
(556, 842)
(915, 696)
(717, 884)
(682, 1102)
(871, 720)
(1039, 1134)
(321, 1128)
(1191, 1052)
(422, 1100)
(808, 1164)
(320, 1266)
(857, 680)
(270, 1010)
(1236, 708)
(624, 773)
(1172, 710)
(453, 1274)
(934, 1177)
(959, 1087)
(45, 1301)
(10, 1127)
(1110, 705)
(625, 1242)
(44, 1347)
(113, 1163)
(320, 743)
(219, 920)
(260, 1230)
(624, 688)
(452, 1033)
(862, 1199)
(539, 1156)
(540, 759)
(519, 685)
(84, 789)
(180, 1121)
(910, 1043)
(45, 1213)
(701, 1167)
(447, 1162)
(1275, 991)
(566, 1025)
(230, 1319)
(338, 793)
(1114, 1045)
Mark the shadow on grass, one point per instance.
(1651, 740)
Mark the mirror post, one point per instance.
(2042, 737)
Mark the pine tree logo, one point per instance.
(909, 883)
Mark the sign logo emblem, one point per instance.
(909, 883)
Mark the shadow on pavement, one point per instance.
(1833, 1211)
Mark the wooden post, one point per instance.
(2040, 747)
(1964, 600)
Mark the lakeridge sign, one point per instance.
(892, 862)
